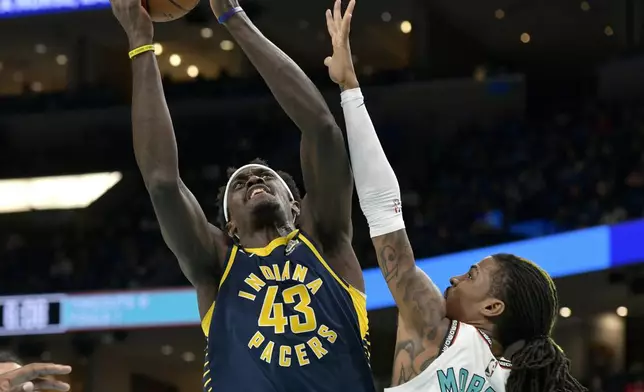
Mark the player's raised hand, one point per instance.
(135, 21)
(340, 64)
(30, 378)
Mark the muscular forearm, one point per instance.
(294, 91)
(155, 147)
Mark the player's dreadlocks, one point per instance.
(288, 179)
(531, 305)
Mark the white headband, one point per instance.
(252, 166)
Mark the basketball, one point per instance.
(167, 10)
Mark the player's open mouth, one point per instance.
(257, 189)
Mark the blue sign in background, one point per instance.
(564, 254)
(130, 309)
(12, 8)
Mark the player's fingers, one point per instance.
(330, 24)
(144, 11)
(346, 20)
(346, 25)
(327, 61)
(50, 385)
(26, 387)
(337, 14)
(35, 370)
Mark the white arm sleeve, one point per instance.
(375, 180)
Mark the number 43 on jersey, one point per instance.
(272, 313)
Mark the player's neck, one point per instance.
(262, 237)
(496, 347)
(513, 348)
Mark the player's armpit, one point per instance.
(421, 305)
(411, 357)
(413, 353)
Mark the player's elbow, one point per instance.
(325, 126)
(161, 181)
(331, 128)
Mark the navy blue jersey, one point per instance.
(285, 322)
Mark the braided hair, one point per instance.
(288, 179)
(531, 305)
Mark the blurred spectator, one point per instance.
(461, 190)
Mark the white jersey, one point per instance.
(465, 363)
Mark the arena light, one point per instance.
(36, 87)
(54, 193)
(61, 59)
(193, 71)
(206, 33)
(188, 356)
(158, 49)
(525, 38)
(622, 311)
(405, 27)
(565, 312)
(175, 60)
(227, 45)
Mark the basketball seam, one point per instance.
(178, 5)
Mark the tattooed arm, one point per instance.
(422, 323)
(421, 319)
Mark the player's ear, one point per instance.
(295, 210)
(231, 229)
(492, 307)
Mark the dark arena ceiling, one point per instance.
(44, 51)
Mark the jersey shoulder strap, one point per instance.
(473, 340)
(451, 335)
(461, 335)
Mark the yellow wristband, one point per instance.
(137, 51)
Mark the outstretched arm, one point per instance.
(33, 376)
(422, 322)
(183, 223)
(326, 210)
(421, 306)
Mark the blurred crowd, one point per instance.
(461, 190)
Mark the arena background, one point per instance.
(505, 121)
